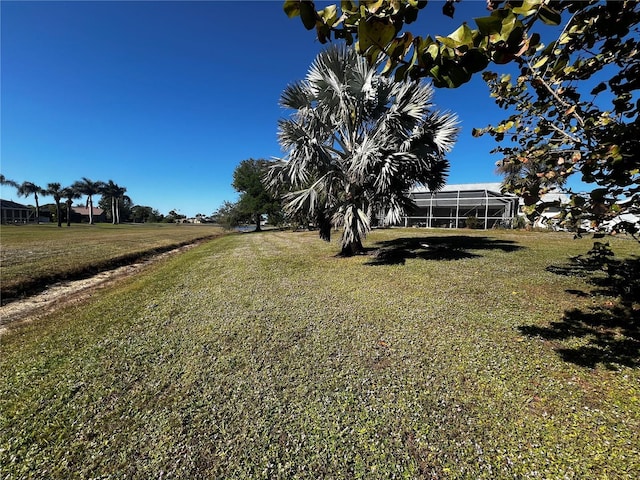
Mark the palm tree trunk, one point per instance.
(113, 210)
(90, 207)
(69, 213)
(118, 211)
(258, 218)
(37, 209)
(352, 248)
(58, 212)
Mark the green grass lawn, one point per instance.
(35, 255)
(266, 356)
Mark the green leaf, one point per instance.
(474, 60)
(598, 194)
(448, 8)
(389, 66)
(540, 62)
(291, 8)
(489, 25)
(375, 32)
(601, 87)
(373, 6)
(463, 36)
(410, 14)
(455, 75)
(329, 15)
(399, 46)
(324, 32)
(509, 23)
(528, 7)
(349, 6)
(534, 44)
(549, 16)
(308, 15)
(401, 73)
(447, 42)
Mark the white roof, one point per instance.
(556, 197)
(463, 187)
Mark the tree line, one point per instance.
(114, 200)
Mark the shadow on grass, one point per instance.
(612, 327)
(454, 247)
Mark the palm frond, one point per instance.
(355, 222)
(391, 168)
(301, 201)
(364, 156)
(295, 96)
(412, 101)
(444, 127)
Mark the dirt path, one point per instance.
(72, 291)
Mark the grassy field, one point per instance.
(35, 255)
(265, 356)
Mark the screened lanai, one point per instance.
(452, 205)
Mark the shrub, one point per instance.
(473, 222)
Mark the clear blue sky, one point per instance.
(166, 98)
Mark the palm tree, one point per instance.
(356, 143)
(116, 193)
(108, 190)
(29, 188)
(56, 192)
(89, 188)
(531, 178)
(5, 181)
(71, 194)
(121, 198)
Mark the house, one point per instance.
(81, 214)
(555, 203)
(453, 204)
(12, 212)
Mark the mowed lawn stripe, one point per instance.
(33, 256)
(266, 356)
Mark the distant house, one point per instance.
(453, 204)
(550, 217)
(81, 214)
(12, 212)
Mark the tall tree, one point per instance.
(229, 215)
(115, 194)
(142, 214)
(574, 111)
(574, 100)
(89, 188)
(6, 181)
(357, 142)
(54, 189)
(70, 194)
(255, 199)
(122, 201)
(26, 189)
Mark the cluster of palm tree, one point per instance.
(85, 186)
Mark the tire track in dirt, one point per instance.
(69, 292)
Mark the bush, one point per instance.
(473, 222)
(519, 222)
